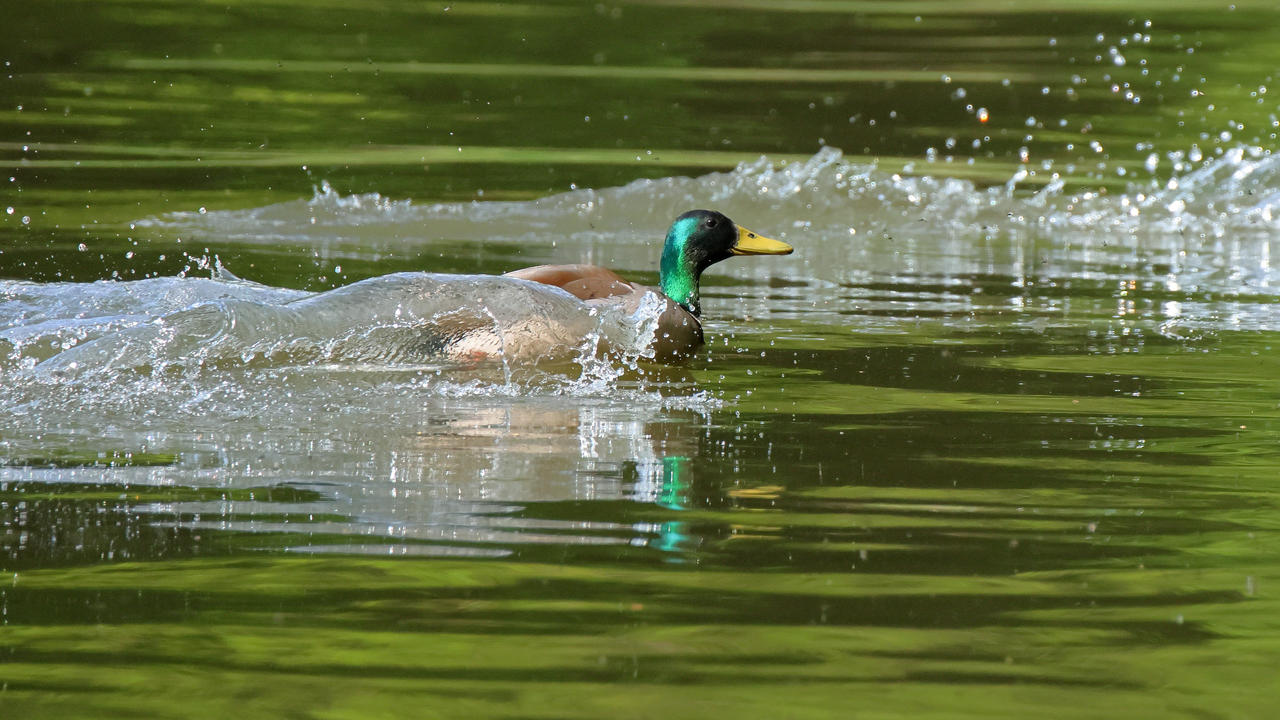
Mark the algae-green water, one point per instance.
(998, 440)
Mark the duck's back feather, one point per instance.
(585, 282)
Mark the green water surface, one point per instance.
(922, 495)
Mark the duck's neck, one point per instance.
(678, 278)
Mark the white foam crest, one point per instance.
(617, 345)
(1237, 191)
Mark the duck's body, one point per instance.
(679, 331)
(696, 240)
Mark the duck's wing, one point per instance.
(585, 282)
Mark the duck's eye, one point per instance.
(711, 222)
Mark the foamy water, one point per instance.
(1209, 227)
(875, 250)
(222, 347)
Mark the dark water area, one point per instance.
(999, 439)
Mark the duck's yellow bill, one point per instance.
(750, 243)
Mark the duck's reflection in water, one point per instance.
(471, 481)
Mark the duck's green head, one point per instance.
(697, 240)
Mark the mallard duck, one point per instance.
(697, 240)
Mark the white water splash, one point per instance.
(192, 346)
(1211, 226)
(1237, 191)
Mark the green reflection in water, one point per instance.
(672, 535)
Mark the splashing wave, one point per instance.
(122, 345)
(1233, 192)
(1209, 228)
